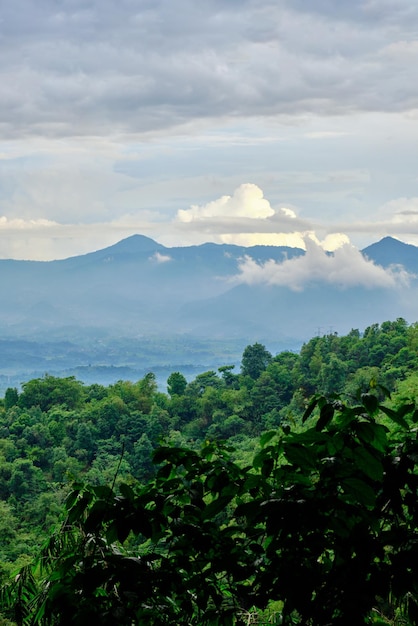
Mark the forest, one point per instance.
(285, 492)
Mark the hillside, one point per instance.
(314, 453)
(125, 305)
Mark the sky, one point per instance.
(260, 121)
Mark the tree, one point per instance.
(230, 379)
(324, 523)
(333, 375)
(254, 361)
(11, 397)
(49, 391)
(176, 384)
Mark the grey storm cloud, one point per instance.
(97, 68)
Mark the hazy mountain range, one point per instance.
(140, 292)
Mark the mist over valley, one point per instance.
(139, 306)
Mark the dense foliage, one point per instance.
(324, 512)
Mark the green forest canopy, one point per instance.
(324, 511)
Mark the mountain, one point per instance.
(136, 286)
(123, 305)
(389, 251)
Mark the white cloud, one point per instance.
(397, 218)
(401, 211)
(18, 224)
(291, 240)
(247, 201)
(333, 241)
(161, 258)
(346, 267)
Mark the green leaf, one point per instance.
(372, 433)
(103, 491)
(267, 467)
(366, 431)
(370, 402)
(127, 491)
(77, 511)
(369, 465)
(249, 510)
(215, 507)
(310, 409)
(261, 457)
(72, 498)
(267, 436)
(395, 416)
(346, 417)
(405, 409)
(301, 456)
(306, 437)
(325, 416)
(384, 390)
(359, 491)
(96, 515)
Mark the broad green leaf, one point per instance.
(302, 457)
(359, 491)
(310, 409)
(405, 409)
(215, 507)
(370, 402)
(267, 436)
(75, 514)
(267, 467)
(372, 433)
(346, 417)
(249, 509)
(369, 465)
(325, 416)
(366, 431)
(103, 491)
(384, 390)
(261, 457)
(306, 437)
(72, 498)
(127, 491)
(395, 416)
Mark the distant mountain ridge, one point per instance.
(139, 306)
(138, 287)
(389, 251)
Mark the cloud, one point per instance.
(161, 258)
(244, 218)
(44, 240)
(18, 224)
(112, 109)
(246, 214)
(401, 211)
(334, 241)
(291, 240)
(247, 201)
(345, 268)
(397, 218)
(103, 68)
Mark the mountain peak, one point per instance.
(134, 244)
(390, 251)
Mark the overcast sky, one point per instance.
(206, 120)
